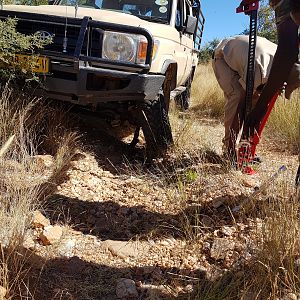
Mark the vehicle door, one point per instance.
(180, 51)
(188, 41)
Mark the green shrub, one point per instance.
(13, 42)
(207, 50)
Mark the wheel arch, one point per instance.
(169, 68)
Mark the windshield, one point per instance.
(153, 10)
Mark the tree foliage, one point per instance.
(266, 23)
(206, 52)
(266, 26)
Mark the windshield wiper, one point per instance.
(153, 18)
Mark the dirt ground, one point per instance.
(133, 231)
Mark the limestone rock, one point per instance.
(188, 288)
(219, 248)
(39, 220)
(126, 289)
(229, 231)
(154, 292)
(124, 249)
(29, 242)
(44, 160)
(66, 248)
(249, 182)
(51, 234)
(290, 296)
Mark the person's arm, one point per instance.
(284, 59)
(295, 14)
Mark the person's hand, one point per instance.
(293, 81)
(296, 17)
(253, 120)
(295, 13)
(289, 89)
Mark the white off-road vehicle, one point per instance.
(125, 57)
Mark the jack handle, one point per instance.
(247, 6)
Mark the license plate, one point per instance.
(41, 66)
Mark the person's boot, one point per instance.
(295, 13)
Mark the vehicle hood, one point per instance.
(96, 14)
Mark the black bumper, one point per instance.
(90, 85)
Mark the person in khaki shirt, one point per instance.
(230, 68)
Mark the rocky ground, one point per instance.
(118, 229)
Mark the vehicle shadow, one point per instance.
(76, 279)
(111, 145)
(113, 152)
(110, 220)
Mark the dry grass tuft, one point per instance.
(23, 180)
(273, 270)
(19, 187)
(284, 122)
(275, 263)
(192, 134)
(60, 140)
(207, 96)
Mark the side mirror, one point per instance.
(191, 24)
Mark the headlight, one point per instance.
(125, 47)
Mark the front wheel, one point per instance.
(183, 101)
(154, 121)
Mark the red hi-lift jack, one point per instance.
(245, 144)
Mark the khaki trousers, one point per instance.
(228, 80)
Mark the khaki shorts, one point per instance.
(282, 10)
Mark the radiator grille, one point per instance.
(91, 45)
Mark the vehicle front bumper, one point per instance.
(78, 72)
(90, 85)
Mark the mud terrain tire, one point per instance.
(183, 101)
(154, 121)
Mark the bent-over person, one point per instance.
(230, 67)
